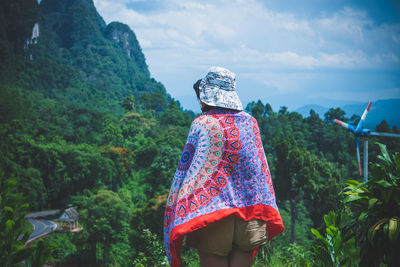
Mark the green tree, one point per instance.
(128, 103)
(268, 110)
(154, 101)
(283, 110)
(383, 127)
(106, 220)
(14, 227)
(112, 131)
(375, 208)
(355, 119)
(151, 251)
(163, 168)
(302, 176)
(41, 253)
(258, 110)
(334, 113)
(293, 169)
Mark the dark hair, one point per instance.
(196, 88)
(204, 107)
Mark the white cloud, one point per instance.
(255, 41)
(248, 31)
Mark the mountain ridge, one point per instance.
(383, 109)
(66, 51)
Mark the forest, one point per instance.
(82, 123)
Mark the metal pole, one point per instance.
(365, 159)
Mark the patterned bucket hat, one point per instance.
(218, 89)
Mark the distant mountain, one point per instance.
(388, 109)
(305, 110)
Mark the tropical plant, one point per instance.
(15, 229)
(333, 248)
(41, 252)
(290, 255)
(151, 251)
(375, 206)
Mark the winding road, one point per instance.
(41, 227)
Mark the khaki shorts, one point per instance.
(231, 232)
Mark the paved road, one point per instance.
(43, 214)
(40, 228)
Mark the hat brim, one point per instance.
(215, 97)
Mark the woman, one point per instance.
(221, 198)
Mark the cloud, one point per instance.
(282, 38)
(256, 41)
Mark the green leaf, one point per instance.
(372, 202)
(317, 234)
(8, 209)
(351, 198)
(329, 218)
(12, 182)
(354, 193)
(384, 183)
(337, 243)
(371, 234)
(9, 225)
(329, 232)
(396, 158)
(343, 218)
(373, 229)
(352, 182)
(386, 228)
(394, 228)
(362, 216)
(385, 154)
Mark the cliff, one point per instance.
(65, 50)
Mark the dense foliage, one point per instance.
(83, 123)
(375, 206)
(15, 230)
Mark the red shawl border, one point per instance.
(259, 211)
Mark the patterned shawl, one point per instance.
(223, 171)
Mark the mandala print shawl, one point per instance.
(222, 171)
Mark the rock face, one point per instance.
(122, 35)
(76, 56)
(34, 37)
(76, 23)
(17, 18)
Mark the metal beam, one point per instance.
(365, 159)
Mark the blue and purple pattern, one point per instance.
(223, 170)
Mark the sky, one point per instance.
(286, 53)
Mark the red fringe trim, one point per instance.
(260, 211)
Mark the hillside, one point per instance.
(67, 52)
(83, 123)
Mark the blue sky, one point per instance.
(288, 53)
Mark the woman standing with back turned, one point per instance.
(221, 198)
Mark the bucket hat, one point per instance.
(218, 89)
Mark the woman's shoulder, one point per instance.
(215, 115)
